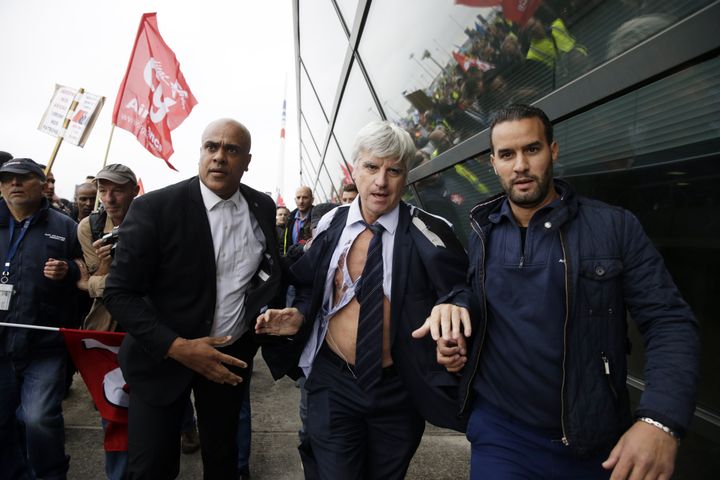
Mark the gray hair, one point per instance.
(382, 139)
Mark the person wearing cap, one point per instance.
(38, 246)
(117, 186)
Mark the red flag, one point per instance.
(347, 174)
(280, 202)
(518, 11)
(95, 355)
(467, 62)
(154, 97)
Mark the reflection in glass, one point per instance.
(323, 45)
(453, 192)
(356, 110)
(337, 169)
(453, 65)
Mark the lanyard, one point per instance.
(14, 246)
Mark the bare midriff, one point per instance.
(342, 330)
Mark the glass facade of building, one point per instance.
(632, 87)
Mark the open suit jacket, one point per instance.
(423, 275)
(162, 283)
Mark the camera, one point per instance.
(111, 239)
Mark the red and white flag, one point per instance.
(154, 97)
(95, 356)
(467, 62)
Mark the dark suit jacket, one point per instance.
(162, 283)
(423, 275)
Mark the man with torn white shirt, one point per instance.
(375, 271)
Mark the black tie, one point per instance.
(368, 346)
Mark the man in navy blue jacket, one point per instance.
(554, 274)
(38, 246)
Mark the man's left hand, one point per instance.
(447, 321)
(55, 269)
(643, 452)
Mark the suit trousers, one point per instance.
(357, 434)
(504, 447)
(154, 430)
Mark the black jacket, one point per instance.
(162, 282)
(423, 275)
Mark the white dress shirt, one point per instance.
(354, 226)
(239, 244)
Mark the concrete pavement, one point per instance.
(443, 454)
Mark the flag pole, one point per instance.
(104, 164)
(32, 327)
(66, 122)
(107, 149)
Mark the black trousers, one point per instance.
(357, 434)
(154, 431)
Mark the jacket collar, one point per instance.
(40, 214)
(488, 210)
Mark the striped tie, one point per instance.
(368, 346)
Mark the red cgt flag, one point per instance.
(95, 356)
(154, 97)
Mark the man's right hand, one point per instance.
(452, 354)
(201, 356)
(286, 321)
(104, 252)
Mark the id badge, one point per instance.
(6, 292)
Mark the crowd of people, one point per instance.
(372, 305)
(502, 62)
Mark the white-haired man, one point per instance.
(370, 385)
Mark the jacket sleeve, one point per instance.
(137, 258)
(669, 328)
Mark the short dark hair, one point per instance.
(283, 207)
(350, 187)
(519, 111)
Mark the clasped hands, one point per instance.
(449, 325)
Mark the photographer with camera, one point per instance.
(117, 187)
(98, 234)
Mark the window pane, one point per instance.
(356, 110)
(348, 9)
(323, 46)
(316, 119)
(339, 173)
(450, 66)
(454, 191)
(655, 152)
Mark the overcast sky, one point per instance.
(235, 55)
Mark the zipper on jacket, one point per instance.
(479, 233)
(564, 439)
(606, 366)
